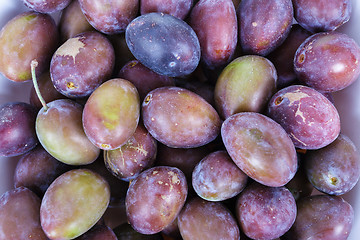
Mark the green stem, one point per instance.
(33, 65)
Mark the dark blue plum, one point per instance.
(164, 43)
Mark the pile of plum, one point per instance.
(209, 119)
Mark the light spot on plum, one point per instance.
(295, 96)
(105, 146)
(300, 113)
(70, 48)
(292, 135)
(254, 24)
(139, 148)
(174, 178)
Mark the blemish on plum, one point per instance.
(147, 99)
(70, 85)
(301, 58)
(279, 100)
(105, 146)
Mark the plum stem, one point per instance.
(33, 65)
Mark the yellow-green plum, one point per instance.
(73, 204)
(17, 48)
(111, 114)
(59, 128)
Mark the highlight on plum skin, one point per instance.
(17, 128)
